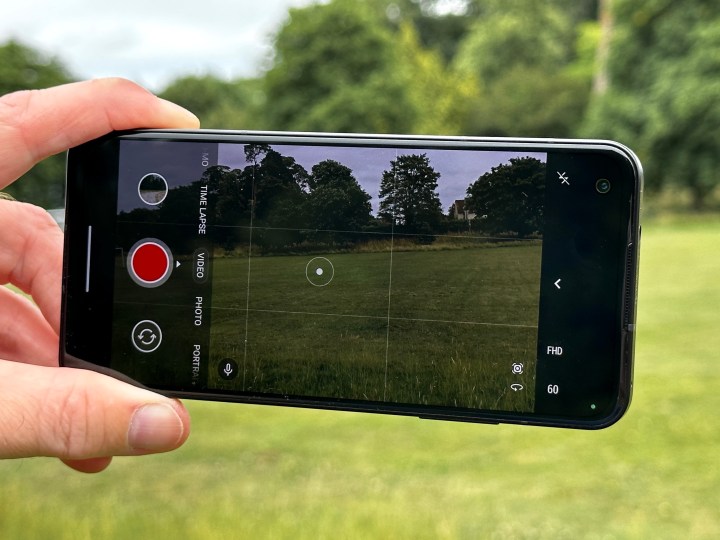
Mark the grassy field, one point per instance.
(334, 340)
(262, 472)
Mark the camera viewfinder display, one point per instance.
(403, 275)
(377, 274)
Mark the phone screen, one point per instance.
(407, 275)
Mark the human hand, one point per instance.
(82, 417)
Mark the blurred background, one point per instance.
(644, 72)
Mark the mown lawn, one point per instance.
(262, 472)
(459, 318)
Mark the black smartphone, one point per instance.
(486, 280)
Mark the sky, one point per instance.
(150, 41)
(457, 168)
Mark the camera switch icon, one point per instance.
(146, 336)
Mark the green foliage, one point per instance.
(332, 72)
(408, 193)
(219, 104)
(442, 33)
(342, 66)
(438, 30)
(510, 197)
(663, 94)
(517, 33)
(439, 97)
(23, 68)
(527, 102)
(526, 58)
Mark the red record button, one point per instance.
(150, 262)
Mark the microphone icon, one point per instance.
(227, 369)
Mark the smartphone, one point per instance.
(484, 280)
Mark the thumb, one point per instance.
(77, 415)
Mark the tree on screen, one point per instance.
(336, 201)
(408, 194)
(272, 181)
(509, 198)
(276, 187)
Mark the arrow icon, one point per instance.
(146, 336)
(557, 283)
(149, 340)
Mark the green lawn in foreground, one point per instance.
(262, 472)
(459, 318)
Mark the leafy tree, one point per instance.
(278, 185)
(510, 197)
(332, 71)
(336, 201)
(438, 30)
(525, 102)
(440, 96)
(524, 56)
(408, 193)
(516, 33)
(218, 103)
(254, 154)
(230, 206)
(442, 33)
(24, 68)
(661, 88)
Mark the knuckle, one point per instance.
(77, 431)
(39, 228)
(13, 106)
(71, 430)
(14, 112)
(117, 84)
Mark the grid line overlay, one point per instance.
(392, 243)
(247, 289)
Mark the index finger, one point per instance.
(35, 124)
(38, 123)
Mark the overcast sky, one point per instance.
(457, 168)
(149, 41)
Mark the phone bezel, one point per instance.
(626, 302)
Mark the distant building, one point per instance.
(459, 211)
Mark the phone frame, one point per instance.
(627, 297)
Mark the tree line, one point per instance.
(277, 205)
(643, 72)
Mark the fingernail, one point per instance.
(184, 117)
(156, 427)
